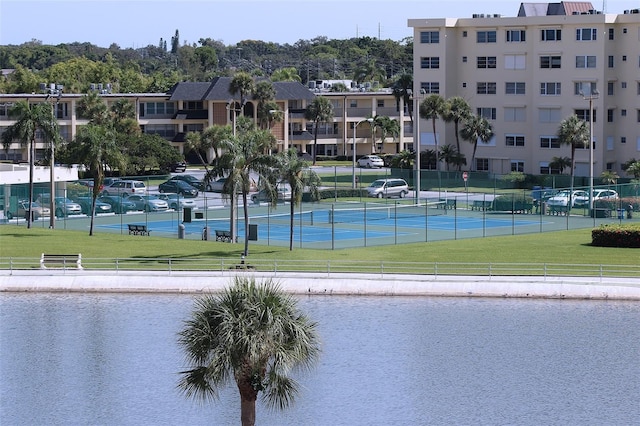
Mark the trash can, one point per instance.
(186, 215)
(253, 232)
(181, 232)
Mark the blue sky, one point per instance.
(138, 23)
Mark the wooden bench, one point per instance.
(65, 260)
(481, 205)
(558, 210)
(224, 236)
(135, 229)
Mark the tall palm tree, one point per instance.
(318, 111)
(296, 172)
(253, 333)
(573, 131)
(242, 155)
(432, 108)
(402, 89)
(385, 126)
(448, 154)
(242, 84)
(286, 74)
(560, 163)
(370, 71)
(30, 120)
(476, 128)
(457, 111)
(95, 147)
(265, 95)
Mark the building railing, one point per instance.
(336, 267)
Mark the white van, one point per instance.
(386, 188)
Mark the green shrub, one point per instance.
(622, 203)
(616, 236)
(512, 203)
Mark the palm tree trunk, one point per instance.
(473, 155)
(292, 211)
(32, 153)
(245, 206)
(435, 139)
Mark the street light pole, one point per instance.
(590, 95)
(416, 142)
(53, 90)
(353, 153)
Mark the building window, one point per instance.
(516, 36)
(464, 34)
(549, 142)
(158, 108)
(514, 88)
(549, 115)
(551, 35)
(610, 113)
(585, 61)
(610, 61)
(464, 59)
(380, 103)
(514, 140)
(623, 139)
(638, 115)
(488, 113)
(486, 88)
(193, 105)
(583, 114)
(583, 88)
(431, 62)
(164, 130)
(486, 61)
(429, 37)
(638, 88)
(624, 58)
(486, 36)
(482, 164)
(430, 87)
(515, 114)
(611, 33)
(586, 34)
(515, 62)
(610, 88)
(623, 84)
(353, 103)
(550, 89)
(517, 166)
(623, 112)
(550, 61)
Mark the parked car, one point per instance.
(149, 203)
(176, 201)
(179, 167)
(370, 161)
(125, 188)
(64, 206)
(20, 210)
(561, 199)
(385, 188)
(190, 179)
(217, 185)
(283, 194)
(598, 194)
(85, 203)
(118, 204)
(179, 187)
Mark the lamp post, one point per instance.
(416, 141)
(353, 154)
(590, 95)
(52, 90)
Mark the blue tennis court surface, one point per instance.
(322, 228)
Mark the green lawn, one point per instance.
(567, 247)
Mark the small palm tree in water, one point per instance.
(251, 332)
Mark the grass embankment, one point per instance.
(566, 247)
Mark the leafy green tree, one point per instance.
(448, 154)
(31, 119)
(560, 163)
(432, 108)
(634, 169)
(265, 95)
(296, 172)
(476, 128)
(402, 89)
(147, 152)
(573, 131)
(318, 111)
(242, 84)
(253, 333)
(457, 111)
(370, 71)
(243, 154)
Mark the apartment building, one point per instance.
(194, 106)
(527, 73)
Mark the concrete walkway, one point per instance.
(315, 283)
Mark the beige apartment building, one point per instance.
(527, 73)
(194, 106)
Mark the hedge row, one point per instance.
(622, 203)
(616, 236)
(331, 193)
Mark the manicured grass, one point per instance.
(566, 247)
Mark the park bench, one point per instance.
(480, 205)
(64, 260)
(447, 204)
(135, 229)
(558, 210)
(224, 236)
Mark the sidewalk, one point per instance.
(329, 284)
